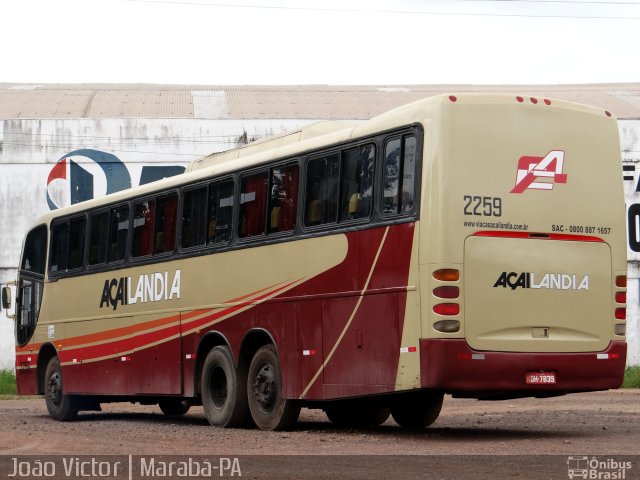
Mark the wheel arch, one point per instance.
(47, 352)
(207, 343)
(253, 340)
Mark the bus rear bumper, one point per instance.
(451, 365)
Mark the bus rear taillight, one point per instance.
(447, 275)
(447, 309)
(621, 281)
(621, 313)
(447, 326)
(446, 292)
(621, 297)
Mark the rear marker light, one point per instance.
(447, 326)
(547, 101)
(621, 313)
(449, 292)
(520, 99)
(534, 100)
(621, 281)
(621, 329)
(408, 349)
(607, 356)
(608, 114)
(447, 309)
(447, 275)
(453, 98)
(621, 297)
(309, 353)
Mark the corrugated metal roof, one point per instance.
(271, 102)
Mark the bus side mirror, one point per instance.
(6, 301)
(6, 298)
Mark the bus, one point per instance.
(470, 244)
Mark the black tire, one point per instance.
(356, 415)
(173, 407)
(224, 396)
(61, 407)
(418, 411)
(269, 409)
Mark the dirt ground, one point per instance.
(528, 430)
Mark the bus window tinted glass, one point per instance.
(194, 218)
(253, 195)
(59, 246)
(391, 176)
(399, 175)
(165, 237)
(143, 222)
(323, 175)
(77, 228)
(408, 174)
(357, 182)
(35, 248)
(283, 199)
(220, 212)
(118, 230)
(99, 226)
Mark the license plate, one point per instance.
(540, 378)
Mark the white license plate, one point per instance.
(540, 378)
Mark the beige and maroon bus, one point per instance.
(471, 245)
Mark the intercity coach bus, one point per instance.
(471, 245)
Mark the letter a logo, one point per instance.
(532, 170)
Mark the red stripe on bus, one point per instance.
(538, 236)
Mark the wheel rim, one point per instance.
(265, 388)
(54, 390)
(218, 387)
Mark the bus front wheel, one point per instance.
(60, 406)
(224, 396)
(269, 409)
(418, 411)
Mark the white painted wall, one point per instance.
(630, 145)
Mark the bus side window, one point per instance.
(143, 221)
(59, 247)
(399, 175)
(77, 227)
(283, 199)
(322, 190)
(98, 230)
(165, 232)
(253, 195)
(118, 232)
(220, 212)
(194, 218)
(357, 182)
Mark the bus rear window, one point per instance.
(35, 248)
(399, 175)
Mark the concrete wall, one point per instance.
(630, 145)
(29, 150)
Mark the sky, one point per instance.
(335, 42)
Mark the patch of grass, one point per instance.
(632, 377)
(7, 383)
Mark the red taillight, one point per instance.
(621, 313)
(448, 309)
(534, 100)
(621, 297)
(547, 101)
(453, 98)
(621, 281)
(448, 292)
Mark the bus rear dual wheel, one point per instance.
(234, 399)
